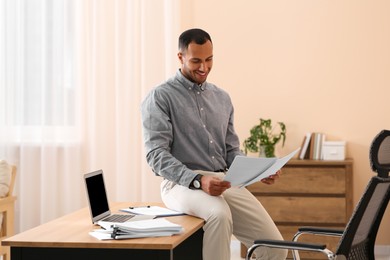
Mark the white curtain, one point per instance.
(72, 76)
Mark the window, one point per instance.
(37, 73)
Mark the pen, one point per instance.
(139, 207)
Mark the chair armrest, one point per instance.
(318, 231)
(291, 245)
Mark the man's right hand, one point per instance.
(213, 185)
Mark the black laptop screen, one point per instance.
(97, 194)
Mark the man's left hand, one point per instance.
(271, 179)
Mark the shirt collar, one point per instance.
(188, 83)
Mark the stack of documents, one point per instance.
(137, 229)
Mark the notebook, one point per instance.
(98, 202)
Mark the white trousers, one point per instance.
(236, 212)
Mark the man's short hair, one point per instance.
(193, 35)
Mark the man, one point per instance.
(190, 141)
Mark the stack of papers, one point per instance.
(137, 229)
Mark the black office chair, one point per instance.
(358, 238)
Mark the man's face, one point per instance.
(196, 61)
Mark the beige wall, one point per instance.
(315, 65)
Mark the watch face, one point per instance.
(196, 184)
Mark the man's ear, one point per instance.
(180, 56)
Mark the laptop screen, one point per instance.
(96, 193)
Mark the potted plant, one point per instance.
(263, 138)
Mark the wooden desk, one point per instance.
(67, 238)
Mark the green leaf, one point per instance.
(264, 134)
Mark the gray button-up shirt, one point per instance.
(187, 127)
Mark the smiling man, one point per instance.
(190, 141)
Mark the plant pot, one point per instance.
(267, 151)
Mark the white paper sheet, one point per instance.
(152, 210)
(152, 225)
(247, 170)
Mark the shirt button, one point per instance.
(204, 125)
(212, 157)
(201, 109)
(211, 141)
(198, 92)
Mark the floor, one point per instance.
(236, 249)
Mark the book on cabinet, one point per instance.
(311, 147)
(304, 152)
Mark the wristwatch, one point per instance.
(196, 184)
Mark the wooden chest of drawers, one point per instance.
(309, 193)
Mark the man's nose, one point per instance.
(202, 66)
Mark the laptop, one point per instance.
(98, 202)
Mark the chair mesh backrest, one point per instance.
(359, 237)
(358, 240)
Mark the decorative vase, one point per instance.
(267, 151)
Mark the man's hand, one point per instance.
(271, 179)
(213, 185)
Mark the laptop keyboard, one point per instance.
(118, 218)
